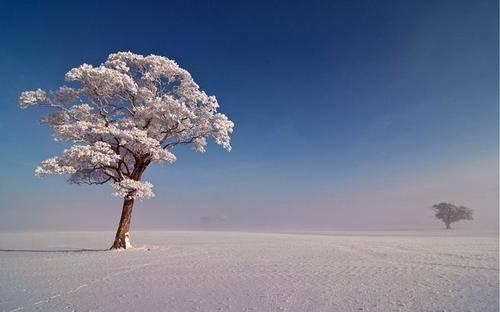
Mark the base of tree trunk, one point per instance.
(122, 242)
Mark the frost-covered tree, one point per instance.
(449, 213)
(123, 115)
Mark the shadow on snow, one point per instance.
(53, 250)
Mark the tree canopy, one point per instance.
(450, 213)
(124, 114)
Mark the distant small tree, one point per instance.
(449, 213)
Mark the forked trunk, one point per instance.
(122, 238)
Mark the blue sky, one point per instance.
(348, 113)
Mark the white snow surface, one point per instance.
(234, 271)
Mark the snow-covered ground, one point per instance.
(230, 271)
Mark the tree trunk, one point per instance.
(448, 225)
(122, 238)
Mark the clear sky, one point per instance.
(349, 114)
